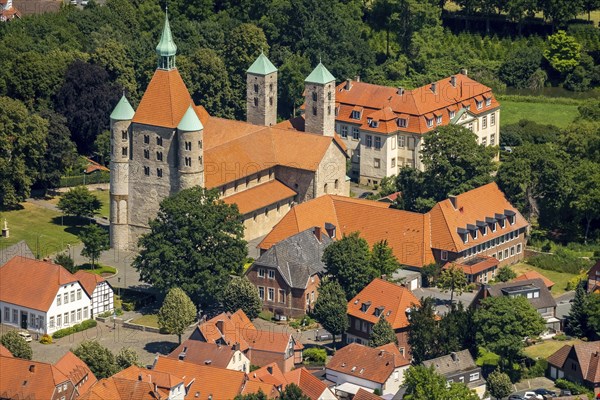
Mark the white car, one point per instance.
(532, 395)
(25, 335)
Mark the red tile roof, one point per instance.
(310, 385)
(534, 275)
(198, 352)
(78, 372)
(270, 373)
(372, 364)
(260, 196)
(363, 394)
(88, 281)
(475, 265)
(39, 289)
(122, 389)
(4, 352)
(379, 293)
(163, 380)
(587, 355)
(26, 379)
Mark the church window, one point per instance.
(336, 183)
(256, 102)
(314, 96)
(188, 161)
(147, 171)
(271, 100)
(124, 135)
(159, 141)
(159, 155)
(328, 110)
(329, 95)
(270, 87)
(188, 146)
(314, 110)
(325, 188)
(200, 160)
(255, 88)
(146, 139)
(159, 172)
(124, 151)
(147, 154)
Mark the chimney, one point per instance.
(32, 368)
(357, 78)
(220, 326)
(454, 357)
(434, 87)
(348, 84)
(463, 71)
(454, 201)
(317, 232)
(400, 91)
(330, 229)
(453, 80)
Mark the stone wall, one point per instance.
(319, 115)
(331, 174)
(261, 105)
(299, 180)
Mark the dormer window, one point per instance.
(452, 114)
(429, 122)
(488, 102)
(438, 120)
(365, 306)
(464, 234)
(355, 115)
(379, 311)
(511, 215)
(479, 104)
(402, 123)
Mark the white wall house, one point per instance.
(49, 299)
(100, 291)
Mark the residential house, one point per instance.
(383, 127)
(60, 300)
(458, 229)
(26, 379)
(478, 269)
(215, 354)
(310, 385)
(459, 367)
(408, 278)
(18, 249)
(77, 371)
(205, 382)
(288, 274)
(99, 290)
(261, 347)
(380, 299)
(358, 366)
(579, 362)
(534, 275)
(123, 389)
(594, 278)
(536, 292)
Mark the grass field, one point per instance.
(150, 320)
(40, 228)
(560, 279)
(560, 115)
(546, 348)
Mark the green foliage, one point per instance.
(46, 339)
(348, 262)
(537, 370)
(79, 201)
(562, 52)
(422, 331)
(16, 345)
(383, 259)
(240, 293)
(518, 68)
(453, 279)
(100, 359)
(431, 273)
(561, 261)
(330, 308)
(499, 384)
(573, 387)
(126, 357)
(424, 383)
(66, 261)
(95, 241)
(382, 333)
(177, 312)
(252, 396)
(293, 392)
(200, 238)
(503, 322)
(102, 147)
(526, 131)
(592, 308)
(87, 324)
(505, 274)
(315, 355)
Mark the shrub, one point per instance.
(315, 355)
(46, 339)
(573, 387)
(561, 337)
(128, 306)
(87, 324)
(561, 261)
(536, 370)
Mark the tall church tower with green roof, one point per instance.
(319, 92)
(261, 92)
(166, 48)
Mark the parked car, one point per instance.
(565, 392)
(545, 392)
(323, 336)
(533, 395)
(516, 397)
(365, 195)
(25, 335)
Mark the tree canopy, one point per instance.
(79, 201)
(453, 279)
(95, 241)
(176, 313)
(240, 293)
(424, 383)
(330, 308)
(17, 345)
(382, 334)
(100, 359)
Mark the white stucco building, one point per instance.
(99, 290)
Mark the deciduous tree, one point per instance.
(79, 201)
(382, 333)
(331, 306)
(562, 51)
(199, 238)
(505, 274)
(293, 392)
(95, 241)
(16, 345)
(100, 359)
(177, 312)
(240, 293)
(452, 279)
(66, 261)
(126, 357)
(383, 259)
(499, 384)
(424, 383)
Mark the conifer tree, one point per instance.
(576, 323)
(382, 334)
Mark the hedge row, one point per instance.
(87, 324)
(540, 99)
(77, 180)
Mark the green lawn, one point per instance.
(560, 115)
(546, 348)
(150, 320)
(560, 279)
(99, 270)
(40, 228)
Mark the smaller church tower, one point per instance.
(189, 150)
(261, 92)
(120, 141)
(166, 48)
(319, 92)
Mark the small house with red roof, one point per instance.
(77, 371)
(579, 362)
(215, 354)
(380, 299)
(99, 290)
(534, 275)
(41, 296)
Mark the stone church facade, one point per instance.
(169, 144)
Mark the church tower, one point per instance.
(166, 48)
(319, 92)
(190, 152)
(261, 92)
(120, 139)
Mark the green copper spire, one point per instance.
(190, 121)
(320, 75)
(262, 66)
(166, 48)
(123, 111)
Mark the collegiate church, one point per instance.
(169, 144)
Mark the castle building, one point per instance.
(383, 127)
(169, 144)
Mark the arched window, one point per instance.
(255, 88)
(329, 96)
(314, 110)
(314, 96)
(325, 188)
(336, 184)
(256, 102)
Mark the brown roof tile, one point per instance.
(534, 275)
(26, 379)
(559, 357)
(88, 280)
(122, 389)
(310, 385)
(260, 196)
(363, 394)
(198, 352)
(78, 372)
(4, 352)
(475, 265)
